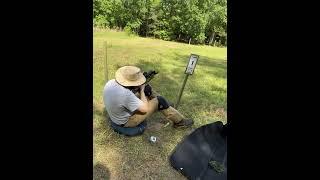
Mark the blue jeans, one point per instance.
(129, 131)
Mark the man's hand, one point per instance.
(144, 108)
(142, 88)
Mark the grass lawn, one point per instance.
(204, 99)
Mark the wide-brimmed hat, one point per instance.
(130, 76)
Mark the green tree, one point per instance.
(193, 21)
(217, 19)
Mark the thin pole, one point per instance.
(106, 62)
(181, 91)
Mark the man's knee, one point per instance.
(134, 121)
(131, 123)
(162, 103)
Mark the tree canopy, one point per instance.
(193, 21)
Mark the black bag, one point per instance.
(203, 154)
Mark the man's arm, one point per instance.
(144, 107)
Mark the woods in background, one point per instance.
(190, 21)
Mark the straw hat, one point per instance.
(130, 76)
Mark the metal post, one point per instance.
(106, 63)
(181, 91)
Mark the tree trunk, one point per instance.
(147, 29)
(212, 38)
(189, 40)
(147, 23)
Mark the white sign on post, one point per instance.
(192, 64)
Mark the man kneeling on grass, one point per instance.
(128, 111)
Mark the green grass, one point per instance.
(204, 100)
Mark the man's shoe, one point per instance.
(184, 123)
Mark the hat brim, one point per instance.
(124, 82)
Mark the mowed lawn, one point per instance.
(204, 99)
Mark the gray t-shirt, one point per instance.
(119, 102)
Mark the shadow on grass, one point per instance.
(100, 172)
(99, 110)
(102, 123)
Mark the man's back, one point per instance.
(120, 102)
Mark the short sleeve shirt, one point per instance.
(120, 102)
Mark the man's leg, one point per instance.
(175, 116)
(137, 118)
(129, 131)
(170, 113)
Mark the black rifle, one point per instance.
(149, 75)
